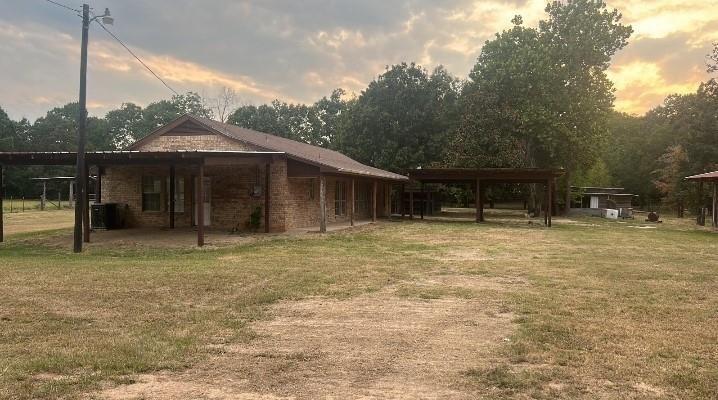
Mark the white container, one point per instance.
(610, 213)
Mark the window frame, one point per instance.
(157, 191)
(340, 199)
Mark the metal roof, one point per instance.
(708, 176)
(332, 160)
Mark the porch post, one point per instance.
(172, 195)
(200, 205)
(86, 209)
(402, 207)
(98, 185)
(2, 192)
(322, 203)
(267, 193)
(373, 200)
(352, 206)
(715, 204)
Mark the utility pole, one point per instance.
(81, 128)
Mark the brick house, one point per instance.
(239, 167)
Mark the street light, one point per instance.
(82, 216)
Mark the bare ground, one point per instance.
(33, 221)
(376, 345)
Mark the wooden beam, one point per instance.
(267, 194)
(322, 203)
(86, 207)
(422, 201)
(411, 204)
(480, 190)
(200, 206)
(172, 195)
(2, 193)
(373, 200)
(715, 204)
(351, 204)
(550, 201)
(477, 201)
(402, 206)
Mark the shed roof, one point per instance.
(708, 176)
(331, 160)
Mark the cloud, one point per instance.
(301, 51)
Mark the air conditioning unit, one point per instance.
(108, 215)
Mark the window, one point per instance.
(311, 189)
(361, 197)
(151, 193)
(179, 194)
(340, 199)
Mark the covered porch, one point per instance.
(168, 202)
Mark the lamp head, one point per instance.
(106, 18)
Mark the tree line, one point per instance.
(536, 97)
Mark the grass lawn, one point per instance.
(586, 309)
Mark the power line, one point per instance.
(64, 6)
(135, 56)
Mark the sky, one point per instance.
(299, 51)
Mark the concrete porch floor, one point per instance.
(187, 237)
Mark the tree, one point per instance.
(125, 124)
(400, 121)
(673, 167)
(223, 104)
(546, 88)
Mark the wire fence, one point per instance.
(19, 205)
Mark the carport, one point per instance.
(709, 177)
(480, 178)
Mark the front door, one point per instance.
(206, 182)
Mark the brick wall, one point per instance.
(294, 202)
(201, 141)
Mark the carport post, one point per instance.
(477, 200)
(172, 193)
(322, 203)
(200, 205)
(402, 207)
(373, 201)
(422, 201)
(550, 202)
(411, 205)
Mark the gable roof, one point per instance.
(331, 160)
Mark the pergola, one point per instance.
(482, 177)
(169, 159)
(711, 177)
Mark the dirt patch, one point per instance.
(372, 346)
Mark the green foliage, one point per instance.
(540, 96)
(314, 124)
(402, 120)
